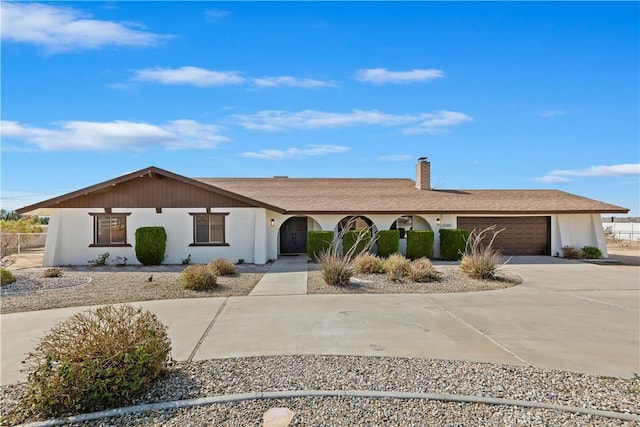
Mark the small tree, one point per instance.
(151, 243)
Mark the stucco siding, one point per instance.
(71, 234)
(577, 230)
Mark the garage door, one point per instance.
(530, 235)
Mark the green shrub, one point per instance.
(151, 243)
(349, 239)
(223, 267)
(388, 242)
(6, 277)
(420, 244)
(368, 264)
(397, 267)
(453, 243)
(317, 242)
(591, 252)
(100, 261)
(199, 277)
(569, 252)
(422, 271)
(52, 272)
(95, 360)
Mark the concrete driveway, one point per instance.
(567, 315)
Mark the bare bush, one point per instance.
(96, 360)
(223, 266)
(397, 267)
(199, 277)
(52, 272)
(368, 264)
(569, 252)
(422, 271)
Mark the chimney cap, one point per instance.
(422, 158)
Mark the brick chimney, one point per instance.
(423, 174)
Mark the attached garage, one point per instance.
(522, 235)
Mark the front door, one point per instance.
(293, 236)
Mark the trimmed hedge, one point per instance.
(318, 241)
(350, 237)
(388, 242)
(453, 243)
(420, 244)
(151, 243)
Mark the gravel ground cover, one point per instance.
(241, 375)
(453, 280)
(94, 286)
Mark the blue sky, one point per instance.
(497, 95)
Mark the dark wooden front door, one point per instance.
(293, 236)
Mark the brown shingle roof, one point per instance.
(350, 195)
(324, 195)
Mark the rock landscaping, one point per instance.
(452, 280)
(82, 286)
(260, 374)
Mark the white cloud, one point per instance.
(309, 150)
(189, 76)
(271, 120)
(395, 158)
(551, 114)
(59, 29)
(382, 75)
(116, 135)
(215, 15)
(437, 122)
(290, 82)
(613, 170)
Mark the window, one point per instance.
(110, 229)
(209, 229)
(403, 224)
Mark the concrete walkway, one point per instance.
(566, 315)
(287, 276)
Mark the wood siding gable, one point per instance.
(149, 188)
(156, 191)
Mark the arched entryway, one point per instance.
(358, 222)
(293, 235)
(407, 223)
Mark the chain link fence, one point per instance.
(622, 231)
